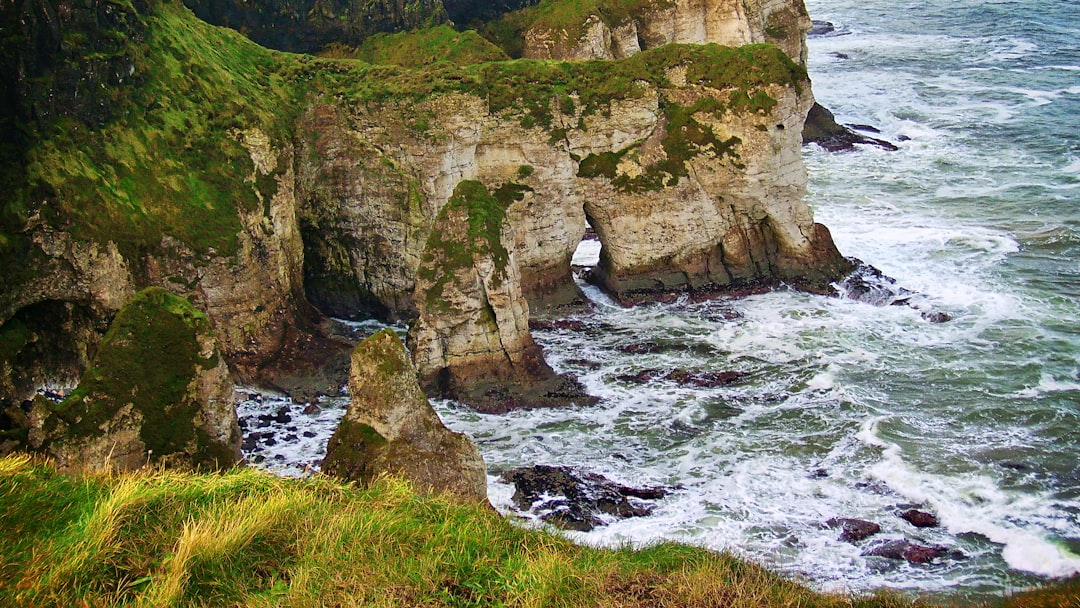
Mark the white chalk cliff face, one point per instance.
(691, 184)
(659, 22)
(691, 177)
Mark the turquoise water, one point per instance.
(855, 410)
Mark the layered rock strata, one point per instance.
(390, 428)
(689, 171)
(613, 30)
(471, 341)
(157, 391)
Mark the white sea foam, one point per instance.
(975, 504)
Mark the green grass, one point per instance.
(245, 538)
(420, 48)
(168, 162)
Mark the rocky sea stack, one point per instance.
(391, 429)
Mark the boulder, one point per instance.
(920, 519)
(853, 530)
(390, 428)
(157, 391)
(822, 129)
(576, 500)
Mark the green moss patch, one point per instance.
(419, 48)
(685, 139)
(148, 359)
(451, 248)
(165, 161)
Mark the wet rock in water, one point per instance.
(853, 530)
(820, 28)
(872, 286)
(684, 377)
(574, 325)
(841, 55)
(936, 316)
(283, 416)
(905, 549)
(822, 129)
(866, 128)
(920, 519)
(576, 500)
(312, 410)
(653, 348)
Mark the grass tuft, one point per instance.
(244, 538)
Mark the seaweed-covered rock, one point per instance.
(157, 391)
(390, 427)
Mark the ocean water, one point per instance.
(848, 409)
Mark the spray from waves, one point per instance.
(975, 504)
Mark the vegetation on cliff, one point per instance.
(306, 26)
(532, 90)
(150, 361)
(246, 538)
(419, 48)
(564, 20)
(160, 154)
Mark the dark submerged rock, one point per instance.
(576, 500)
(853, 530)
(685, 377)
(820, 28)
(822, 129)
(920, 519)
(902, 548)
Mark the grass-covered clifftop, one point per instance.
(246, 538)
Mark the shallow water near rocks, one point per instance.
(847, 409)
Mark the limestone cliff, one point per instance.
(157, 391)
(612, 29)
(248, 181)
(390, 428)
(471, 341)
(684, 158)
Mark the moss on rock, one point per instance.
(144, 381)
(390, 427)
(467, 227)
